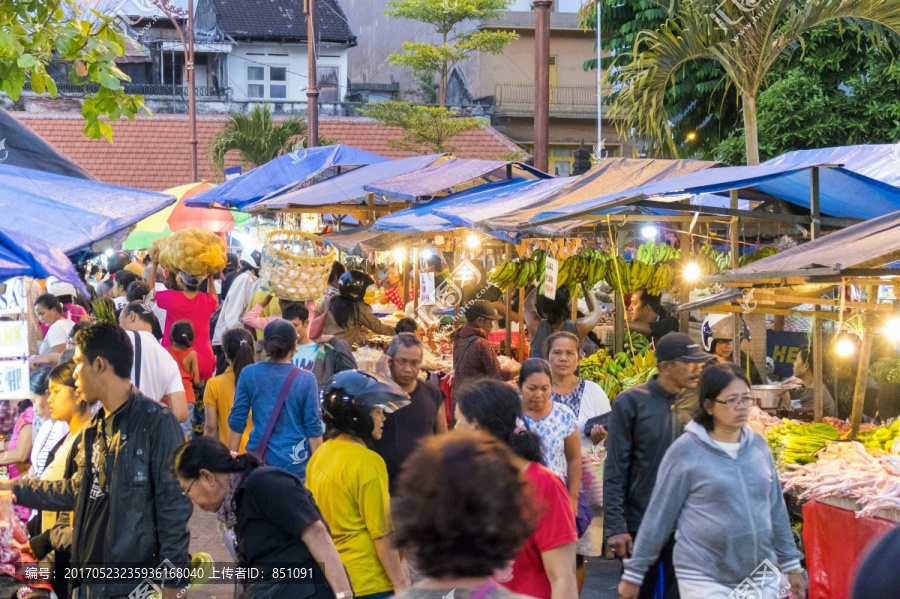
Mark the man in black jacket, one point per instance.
(645, 421)
(129, 511)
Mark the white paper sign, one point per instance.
(14, 379)
(13, 297)
(551, 272)
(426, 288)
(13, 339)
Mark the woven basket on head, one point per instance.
(295, 265)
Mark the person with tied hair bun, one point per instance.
(461, 514)
(543, 567)
(296, 430)
(274, 518)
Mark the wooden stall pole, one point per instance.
(510, 289)
(575, 303)
(862, 372)
(817, 332)
(405, 274)
(416, 288)
(818, 386)
(684, 318)
(735, 263)
(521, 325)
(619, 314)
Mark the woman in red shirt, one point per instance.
(189, 303)
(545, 566)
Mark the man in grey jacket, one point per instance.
(645, 421)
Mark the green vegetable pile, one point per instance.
(795, 443)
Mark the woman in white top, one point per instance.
(50, 312)
(48, 432)
(587, 400)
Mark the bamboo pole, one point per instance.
(619, 315)
(521, 325)
(405, 274)
(416, 288)
(818, 365)
(510, 289)
(684, 319)
(735, 263)
(862, 372)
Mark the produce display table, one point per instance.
(835, 541)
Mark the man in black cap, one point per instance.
(645, 421)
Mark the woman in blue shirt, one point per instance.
(298, 429)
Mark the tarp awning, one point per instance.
(467, 209)
(610, 175)
(363, 239)
(842, 193)
(869, 244)
(877, 161)
(444, 176)
(71, 214)
(346, 187)
(284, 172)
(19, 146)
(26, 256)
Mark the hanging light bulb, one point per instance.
(844, 347)
(427, 254)
(649, 232)
(472, 241)
(691, 272)
(892, 328)
(399, 255)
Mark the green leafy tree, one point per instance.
(35, 32)
(428, 128)
(256, 136)
(700, 100)
(838, 90)
(745, 39)
(456, 46)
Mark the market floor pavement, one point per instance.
(601, 579)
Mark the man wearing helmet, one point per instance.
(716, 334)
(349, 481)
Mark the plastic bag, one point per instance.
(592, 474)
(13, 535)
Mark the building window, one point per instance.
(258, 82)
(328, 84)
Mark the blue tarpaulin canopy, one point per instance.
(444, 176)
(464, 208)
(296, 168)
(71, 214)
(880, 162)
(19, 146)
(610, 175)
(842, 193)
(346, 187)
(26, 256)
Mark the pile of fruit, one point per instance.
(795, 443)
(194, 251)
(654, 253)
(521, 273)
(616, 373)
(881, 438)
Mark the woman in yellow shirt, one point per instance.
(349, 481)
(238, 345)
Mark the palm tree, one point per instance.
(744, 36)
(256, 136)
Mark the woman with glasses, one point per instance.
(278, 527)
(717, 486)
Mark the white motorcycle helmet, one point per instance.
(719, 326)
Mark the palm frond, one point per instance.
(256, 136)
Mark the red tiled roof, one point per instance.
(154, 154)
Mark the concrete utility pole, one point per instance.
(312, 89)
(599, 83)
(192, 103)
(542, 83)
